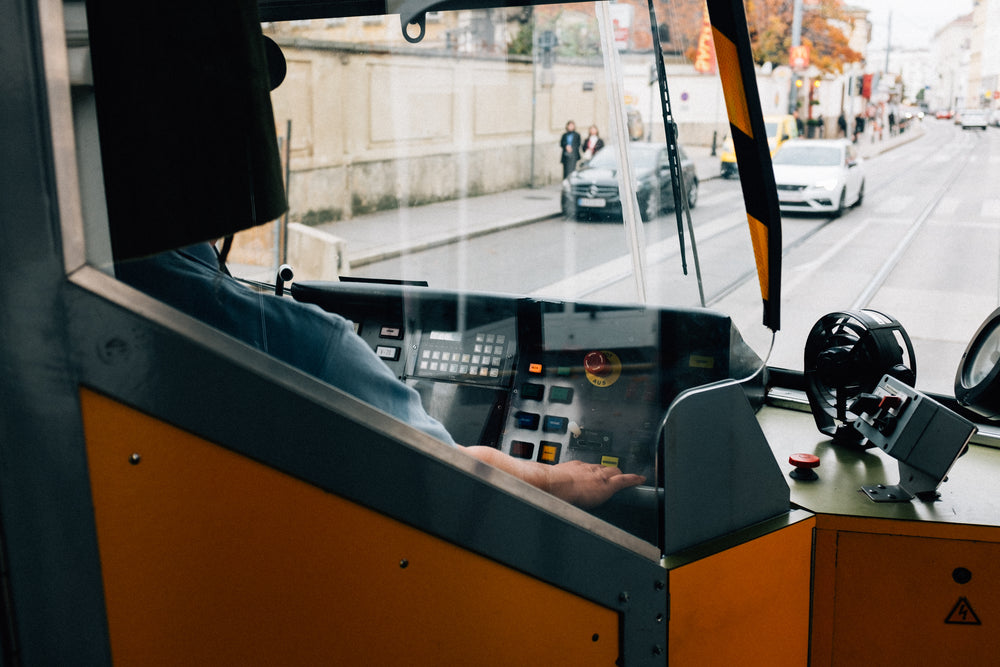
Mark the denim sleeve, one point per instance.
(302, 335)
(351, 365)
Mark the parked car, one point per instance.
(592, 190)
(779, 130)
(819, 176)
(975, 119)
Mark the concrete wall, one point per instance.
(370, 131)
(369, 134)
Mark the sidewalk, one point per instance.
(388, 234)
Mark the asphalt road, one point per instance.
(924, 247)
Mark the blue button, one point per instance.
(527, 420)
(555, 424)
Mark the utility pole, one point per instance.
(534, 96)
(796, 42)
(888, 44)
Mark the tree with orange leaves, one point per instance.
(824, 23)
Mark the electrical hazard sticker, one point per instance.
(962, 614)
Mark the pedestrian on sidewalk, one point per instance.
(569, 142)
(593, 143)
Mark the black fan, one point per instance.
(846, 355)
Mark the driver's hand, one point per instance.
(588, 484)
(583, 484)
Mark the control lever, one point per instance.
(924, 437)
(284, 275)
(882, 412)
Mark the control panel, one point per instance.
(541, 381)
(599, 405)
(483, 356)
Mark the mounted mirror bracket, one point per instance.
(412, 13)
(420, 20)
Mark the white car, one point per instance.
(975, 118)
(818, 176)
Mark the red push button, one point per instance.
(596, 363)
(804, 464)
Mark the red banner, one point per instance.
(866, 87)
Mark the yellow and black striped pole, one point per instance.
(753, 156)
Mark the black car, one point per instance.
(592, 190)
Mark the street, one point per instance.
(924, 248)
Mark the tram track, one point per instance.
(719, 235)
(874, 285)
(866, 295)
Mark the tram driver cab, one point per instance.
(539, 380)
(218, 498)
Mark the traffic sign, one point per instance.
(798, 57)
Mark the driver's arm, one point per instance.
(583, 484)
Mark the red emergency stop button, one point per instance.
(804, 464)
(596, 363)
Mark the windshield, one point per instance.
(442, 162)
(815, 156)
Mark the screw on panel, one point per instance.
(623, 597)
(134, 459)
(403, 563)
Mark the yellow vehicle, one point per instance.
(779, 130)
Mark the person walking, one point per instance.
(570, 145)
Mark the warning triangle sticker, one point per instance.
(962, 614)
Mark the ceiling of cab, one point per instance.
(289, 10)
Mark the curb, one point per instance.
(393, 252)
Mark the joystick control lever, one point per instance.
(284, 275)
